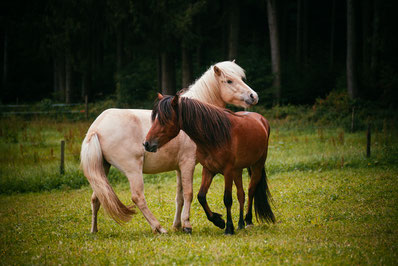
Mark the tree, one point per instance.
(352, 82)
(233, 29)
(275, 49)
(186, 65)
(168, 84)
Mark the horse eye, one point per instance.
(229, 81)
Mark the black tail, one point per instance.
(262, 198)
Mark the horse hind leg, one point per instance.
(137, 191)
(96, 204)
(241, 198)
(255, 175)
(258, 190)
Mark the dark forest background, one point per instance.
(293, 51)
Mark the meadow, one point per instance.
(333, 205)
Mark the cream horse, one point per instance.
(116, 138)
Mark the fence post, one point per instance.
(368, 138)
(86, 106)
(62, 165)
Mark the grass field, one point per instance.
(332, 204)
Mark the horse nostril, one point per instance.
(251, 96)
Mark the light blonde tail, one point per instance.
(91, 160)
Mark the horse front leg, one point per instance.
(184, 197)
(187, 186)
(179, 202)
(215, 218)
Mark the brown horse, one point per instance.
(226, 143)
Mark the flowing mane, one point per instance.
(204, 123)
(206, 88)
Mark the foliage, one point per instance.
(114, 47)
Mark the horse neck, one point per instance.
(208, 126)
(206, 89)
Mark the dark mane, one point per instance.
(163, 110)
(204, 123)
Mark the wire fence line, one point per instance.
(51, 109)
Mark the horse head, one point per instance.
(165, 125)
(233, 89)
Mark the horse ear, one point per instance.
(217, 71)
(174, 102)
(233, 61)
(160, 96)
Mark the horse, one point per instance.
(116, 137)
(226, 143)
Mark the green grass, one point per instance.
(332, 204)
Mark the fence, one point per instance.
(45, 109)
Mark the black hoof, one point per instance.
(187, 230)
(229, 231)
(248, 220)
(217, 220)
(241, 225)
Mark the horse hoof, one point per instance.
(160, 230)
(187, 230)
(241, 226)
(249, 226)
(218, 221)
(229, 232)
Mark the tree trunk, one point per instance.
(55, 75)
(5, 58)
(119, 61)
(275, 53)
(299, 33)
(199, 49)
(332, 34)
(233, 29)
(352, 83)
(305, 46)
(68, 78)
(119, 48)
(168, 73)
(375, 36)
(61, 77)
(186, 70)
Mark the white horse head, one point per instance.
(223, 83)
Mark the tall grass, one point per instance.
(302, 138)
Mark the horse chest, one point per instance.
(214, 161)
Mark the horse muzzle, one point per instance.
(151, 147)
(252, 99)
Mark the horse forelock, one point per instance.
(206, 124)
(231, 69)
(162, 110)
(207, 88)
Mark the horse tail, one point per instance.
(91, 160)
(262, 198)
